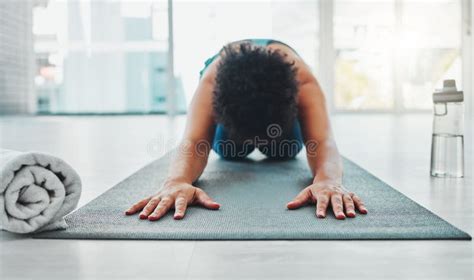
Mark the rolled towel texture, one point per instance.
(36, 191)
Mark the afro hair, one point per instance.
(255, 88)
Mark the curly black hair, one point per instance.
(255, 87)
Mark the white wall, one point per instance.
(468, 53)
(16, 56)
(468, 59)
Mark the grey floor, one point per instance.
(105, 150)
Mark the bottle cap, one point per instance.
(448, 93)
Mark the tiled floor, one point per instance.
(105, 150)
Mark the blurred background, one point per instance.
(140, 57)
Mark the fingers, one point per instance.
(322, 202)
(154, 208)
(137, 206)
(299, 200)
(342, 202)
(163, 207)
(337, 208)
(349, 205)
(203, 199)
(359, 204)
(180, 206)
(149, 208)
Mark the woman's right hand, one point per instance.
(175, 195)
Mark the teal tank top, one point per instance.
(257, 42)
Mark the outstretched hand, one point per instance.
(174, 195)
(325, 194)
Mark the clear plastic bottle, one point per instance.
(447, 146)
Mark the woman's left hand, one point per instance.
(327, 193)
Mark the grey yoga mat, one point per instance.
(253, 195)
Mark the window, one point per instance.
(102, 57)
(391, 54)
(112, 56)
(430, 49)
(203, 27)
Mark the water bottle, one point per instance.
(447, 146)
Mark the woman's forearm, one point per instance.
(325, 162)
(189, 162)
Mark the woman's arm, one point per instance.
(189, 162)
(192, 154)
(322, 154)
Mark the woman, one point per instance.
(255, 94)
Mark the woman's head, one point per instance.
(255, 88)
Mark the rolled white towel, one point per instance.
(36, 191)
